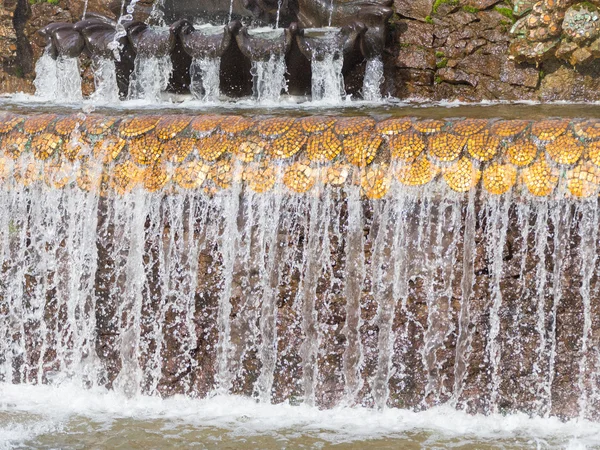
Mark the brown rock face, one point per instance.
(415, 9)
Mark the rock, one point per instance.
(414, 57)
(456, 76)
(522, 7)
(582, 22)
(417, 77)
(565, 50)
(415, 9)
(581, 56)
(519, 74)
(489, 65)
(480, 4)
(414, 32)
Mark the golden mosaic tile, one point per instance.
(178, 149)
(210, 148)
(376, 181)
(192, 174)
(68, 124)
(299, 177)
(260, 177)
(540, 178)
(275, 126)
(589, 129)
(45, 145)
(483, 146)
(391, 127)
(14, 144)
(499, 178)
(508, 128)
(248, 148)
(467, 127)
(521, 153)
(337, 174)
(548, 130)
(89, 176)
(97, 125)
(583, 180)
(418, 173)
(565, 149)
(446, 147)
(316, 124)
(593, 152)
(9, 121)
(221, 173)
(236, 124)
(27, 173)
(75, 147)
(323, 147)
(207, 123)
(346, 126)
(155, 177)
(37, 124)
(361, 149)
(288, 144)
(109, 148)
(170, 126)
(58, 173)
(4, 169)
(146, 149)
(429, 126)
(462, 175)
(406, 147)
(125, 176)
(137, 126)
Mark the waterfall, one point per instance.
(58, 79)
(150, 78)
(205, 81)
(373, 80)
(105, 81)
(327, 78)
(269, 79)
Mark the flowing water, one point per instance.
(150, 78)
(58, 79)
(205, 81)
(269, 79)
(105, 81)
(373, 80)
(426, 299)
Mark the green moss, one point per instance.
(428, 19)
(506, 12)
(470, 9)
(51, 2)
(439, 3)
(438, 80)
(442, 63)
(439, 54)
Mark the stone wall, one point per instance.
(464, 50)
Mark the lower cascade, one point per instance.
(327, 261)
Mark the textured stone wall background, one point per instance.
(438, 49)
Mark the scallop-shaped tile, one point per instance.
(146, 149)
(462, 175)
(274, 126)
(392, 127)
(522, 152)
(316, 124)
(323, 147)
(483, 146)
(170, 126)
(499, 178)
(299, 177)
(565, 149)
(337, 174)
(588, 129)
(361, 149)
(66, 125)
(125, 176)
(418, 173)
(467, 127)
(9, 121)
(446, 147)
(109, 148)
(178, 149)
(97, 125)
(548, 130)
(406, 147)
(540, 178)
(37, 124)
(250, 147)
(221, 173)
(155, 177)
(260, 177)
(508, 128)
(192, 174)
(376, 181)
(45, 145)
(583, 179)
(137, 126)
(429, 126)
(346, 126)
(15, 143)
(288, 144)
(210, 148)
(236, 124)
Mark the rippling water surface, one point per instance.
(70, 417)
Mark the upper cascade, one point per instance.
(184, 34)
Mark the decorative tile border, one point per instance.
(210, 152)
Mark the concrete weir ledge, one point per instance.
(543, 158)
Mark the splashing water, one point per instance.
(327, 78)
(105, 81)
(269, 79)
(150, 78)
(58, 79)
(205, 78)
(373, 80)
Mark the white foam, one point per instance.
(52, 407)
